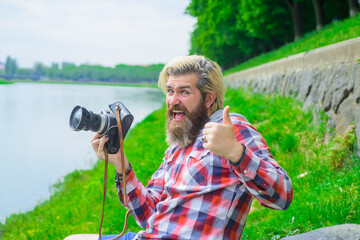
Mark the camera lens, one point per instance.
(82, 119)
(75, 118)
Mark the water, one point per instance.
(38, 147)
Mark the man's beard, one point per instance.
(184, 132)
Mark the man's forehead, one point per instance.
(182, 81)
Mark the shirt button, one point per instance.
(245, 171)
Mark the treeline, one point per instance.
(231, 32)
(84, 73)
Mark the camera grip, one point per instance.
(113, 144)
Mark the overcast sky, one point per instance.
(105, 32)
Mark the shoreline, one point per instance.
(141, 84)
(10, 209)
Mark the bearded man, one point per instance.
(216, 163)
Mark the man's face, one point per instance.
(186, 110)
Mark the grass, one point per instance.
(326, 184)
(3, 81)
(325, 179)
(332, 33)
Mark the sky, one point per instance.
(104, 32)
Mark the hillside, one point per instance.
(333, 33)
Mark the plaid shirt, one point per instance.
(198, 195)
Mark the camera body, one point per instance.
(103, 123)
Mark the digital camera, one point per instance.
(103, 123)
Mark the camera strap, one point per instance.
(123, 172)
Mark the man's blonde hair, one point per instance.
(209, 72)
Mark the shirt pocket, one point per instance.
(196, 170)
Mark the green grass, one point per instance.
(326, 196)
(330, 34)
(3, 81)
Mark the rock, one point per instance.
(357, 129)
(306, 84)
(326, 89)
(327, 100)
(338, 232)
(327, 76)
(346, 114)
(352, 77)
(308, 104)
(288, 90)
(283, 83)
(293, 84)
(256, 85)
(356, 76)
(314, 93)
(340, 89)
(276, 84)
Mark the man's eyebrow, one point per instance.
(179, 87)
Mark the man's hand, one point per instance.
(98, 144)
(220, 138)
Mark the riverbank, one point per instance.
(326, 179)
(39, 126)
(141, 84)
(3, 81)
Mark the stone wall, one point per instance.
(326, 78)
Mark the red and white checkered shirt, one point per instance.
(198, 195)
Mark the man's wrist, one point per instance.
(236, 152)
(238, 155)
(119, 176)
(118, 167)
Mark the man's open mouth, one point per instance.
(178, 115)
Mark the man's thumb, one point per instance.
(226, 116)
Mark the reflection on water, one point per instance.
(37, 145)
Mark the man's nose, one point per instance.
(174, 99)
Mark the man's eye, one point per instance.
(169, 91)
(185, 93)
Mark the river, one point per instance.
(37, 146)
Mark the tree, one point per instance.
(335, 10)
(67, 64)
(296, 13)
(319, 13)
(217, 34)
(38, 70)
(353, 7)
(267, 20)
(10, 66)
(55, 65)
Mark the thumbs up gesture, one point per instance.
(219, 138)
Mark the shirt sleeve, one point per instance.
(142, 200)
(261, 174)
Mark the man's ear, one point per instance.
(209, 99)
